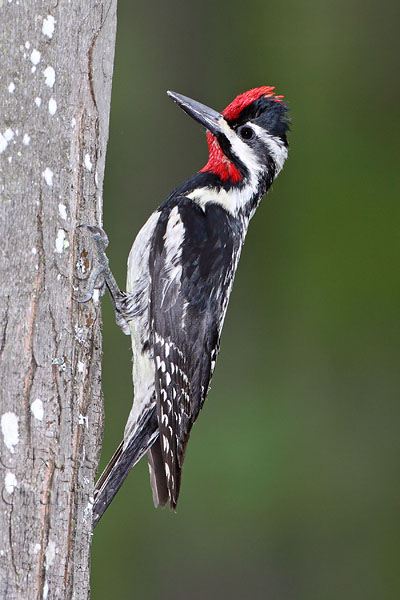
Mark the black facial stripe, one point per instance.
(227, 150)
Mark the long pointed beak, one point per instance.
(209, 118)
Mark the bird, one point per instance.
(181, 270)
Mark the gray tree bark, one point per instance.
(55, 86)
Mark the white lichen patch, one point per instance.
(9, 428)
(27, 45)
(96, 295)
(50, 554)
(37, 409)
(60, 241)
(88, 510)
(26, 139)
(59, 362)
(34, 250)
(36, 549)
(83, 421)
(81, 366)
(11, 87)
(80, 335)
(45, 590)
(38, 101)
(3, 143)
(48, 26)
(62, 210)
(88, 162)
(48, 176)
(52, 106)
(49, 76)
(10, 483)
(8, 134)
(35, 57)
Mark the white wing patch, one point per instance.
(174, 237)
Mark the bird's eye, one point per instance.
(246, 133)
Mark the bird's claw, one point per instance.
(101, 240)
(98, 234)
(91, 286)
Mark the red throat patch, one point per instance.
(218, 163)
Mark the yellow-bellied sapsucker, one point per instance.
(180, 274)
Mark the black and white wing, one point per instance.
(191, 272)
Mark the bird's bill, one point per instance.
(209, 118)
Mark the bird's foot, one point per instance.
(102, 276)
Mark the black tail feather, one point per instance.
(158, 479)
(128, 453)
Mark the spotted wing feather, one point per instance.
(187, 307)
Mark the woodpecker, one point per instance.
(180, 273)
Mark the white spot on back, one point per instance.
(165, 443)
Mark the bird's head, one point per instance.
(247, 141)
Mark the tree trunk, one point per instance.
(55, 81)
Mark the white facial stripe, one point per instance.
(245, 154)
(237, 198)
(276, 147)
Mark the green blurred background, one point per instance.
(291, 481)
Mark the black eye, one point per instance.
(246, 133)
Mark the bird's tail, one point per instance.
(128, 453)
